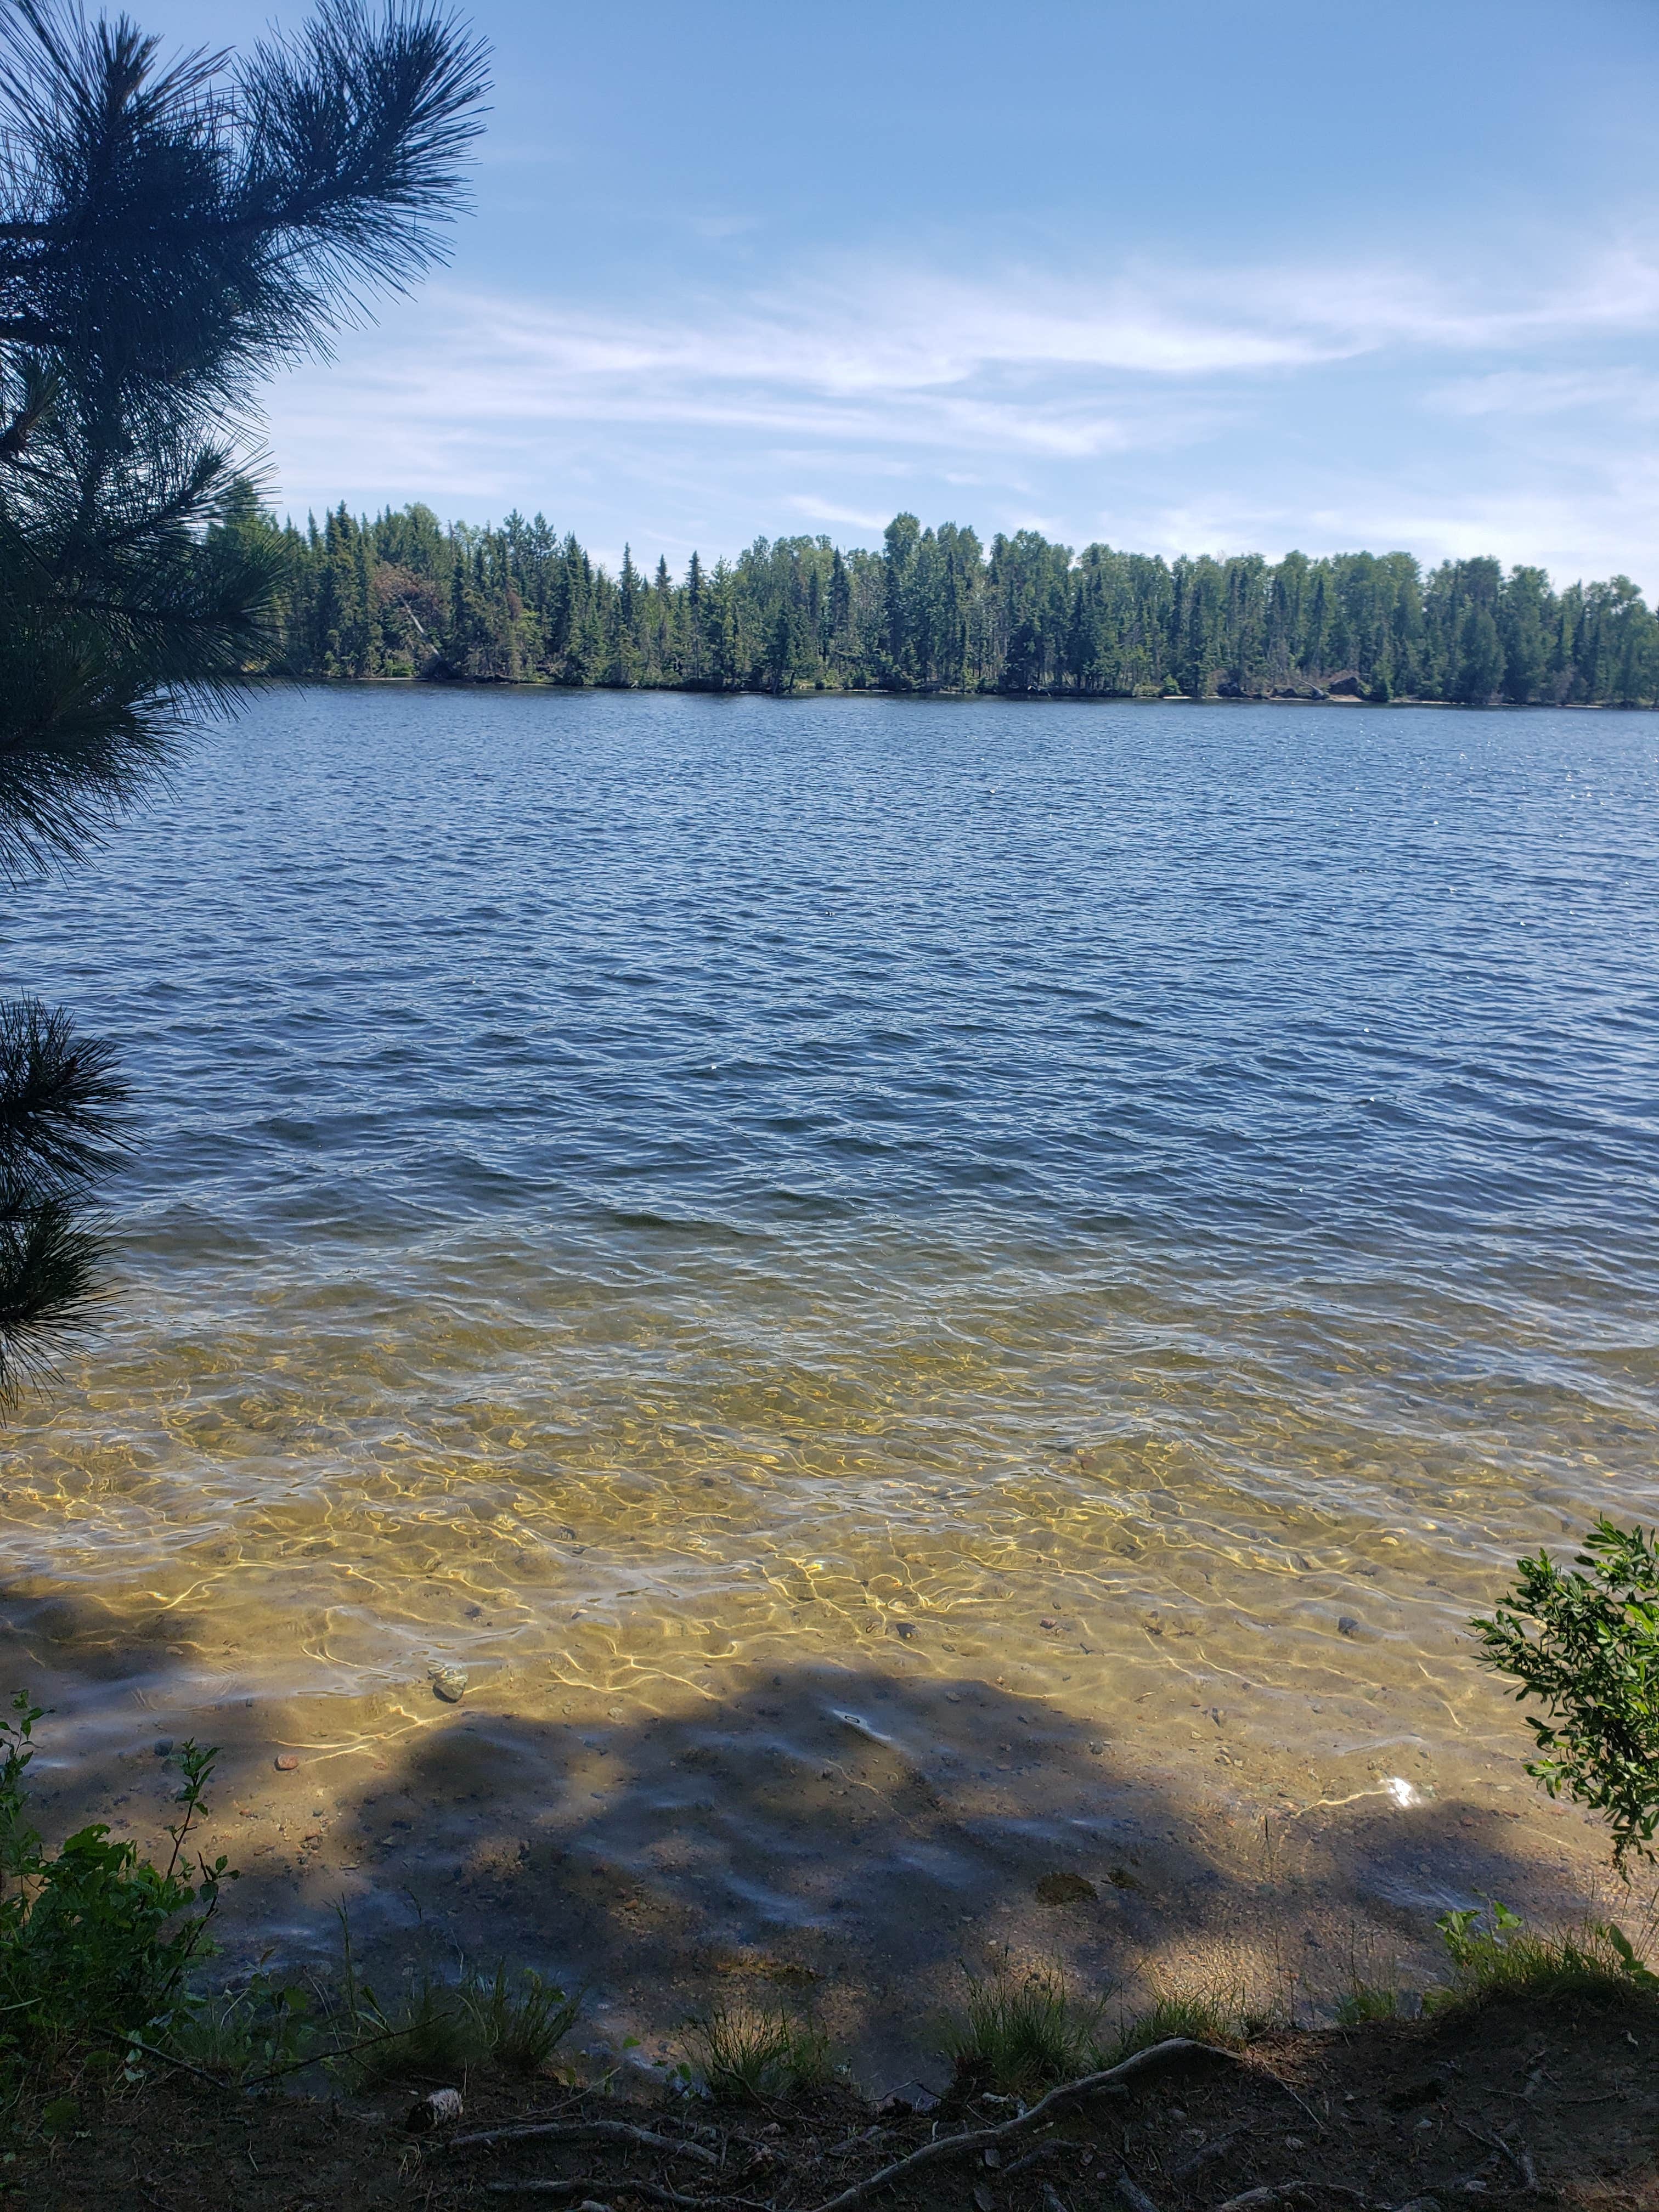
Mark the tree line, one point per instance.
(935, 611)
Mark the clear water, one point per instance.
(1135, 1212)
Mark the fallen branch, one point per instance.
(579, 2131)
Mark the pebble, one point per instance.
(449, 1683)
(1046, 1623)
(1348, 1625)
(286, 1762)
(162, 1746)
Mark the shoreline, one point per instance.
(1376, 2114)
(810, 694)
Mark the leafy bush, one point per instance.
(1495, 1954)
(1585, 1644)
(94, 1941)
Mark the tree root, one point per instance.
(580, 2131)
(1114, 2081)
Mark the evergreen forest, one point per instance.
(935, 611)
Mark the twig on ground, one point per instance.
(1131, 2193)
(1051, 2149)
(1052, 2199)
(654, 2192)
(1206, 2153)
(163, 2057)
(1295, 2096)
(1293, 2192)
(871, 2136)
(579, 2131)
(323, 2057)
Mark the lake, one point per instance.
(923, 1294)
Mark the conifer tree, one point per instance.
(169, 233)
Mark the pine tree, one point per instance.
(167, 235)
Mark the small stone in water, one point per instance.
(906, 1628)
(449, 1683)
(1046, 1623)
(286, 1762)
(162, 1746)
(1348, 1625)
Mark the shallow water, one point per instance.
(1133, 1214)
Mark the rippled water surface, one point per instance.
(663, 1202)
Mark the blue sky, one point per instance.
(1201, 277)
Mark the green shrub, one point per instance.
(1494, 1953)
(94, 1941)
(246, 2035)
(1585, 1644)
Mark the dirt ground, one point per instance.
(1533, 2103)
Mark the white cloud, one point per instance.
(1175, 408)
(1515, 394)
(822, 510)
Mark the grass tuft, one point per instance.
(1203, 2018)
(519, 2028)
(1363, 2004)
(1017, 2034)
(751, 2057)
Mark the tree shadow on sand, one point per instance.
(847, 1840)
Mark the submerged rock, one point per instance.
(449, 1683)
(1066, 1889)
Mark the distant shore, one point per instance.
(801, 693)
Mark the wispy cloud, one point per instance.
(1521, 394)
(824, 510)
(1078, 366)
(1048, 388)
